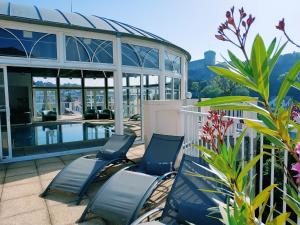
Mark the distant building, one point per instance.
(198, 69)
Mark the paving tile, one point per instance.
(20, 164)
(21, 205)
(47, 160)
(48, 175)
(18, 191)
(50, 167)
(65, 214)
(39, 217)
(21, 171)
(21, 179)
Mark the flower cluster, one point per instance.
(239, 28)
(215, 129)
(295, 113)
(296, 166)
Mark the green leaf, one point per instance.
(263, 196)
(286, 84)
(271, 48)
(276, 56)
(259, 64)
(250, 108)
(226, 100)
(235, 77)
(260, 128)
(267, 121)
(297, 85)
(292, 205)
(280, 220)
(239, 65)
(237, 145)
(246, 170)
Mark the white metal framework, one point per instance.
(125, 49)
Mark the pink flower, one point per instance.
(296, 167)
(298, 149)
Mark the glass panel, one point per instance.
(94, 82)
(172, 62)
(177, 88)
(110, 82)
(44, 82)
(95, 99)
(9, 45)
(18, 43)
(140, 56)
(71, 102)
(44, 100)
(111, 99)
(45, 48)
(169, 88)
(132, 103)
(89, 50)
(151, 87)
(75, 50)
(70, 82)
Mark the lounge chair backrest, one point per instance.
(186, 203)
(162, 151)
(117, 146)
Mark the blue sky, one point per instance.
(190, 24)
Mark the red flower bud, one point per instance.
(220, 37)
(281, 25)
(228, 14)
(250, 20)
(231, 21)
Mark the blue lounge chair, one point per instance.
(79, 174)
(186, 204)
(121, 198)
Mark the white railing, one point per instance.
(252, 144)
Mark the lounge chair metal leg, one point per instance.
(45, 192)
(83, 216)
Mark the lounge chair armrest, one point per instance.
(167, 175)
(146, 215)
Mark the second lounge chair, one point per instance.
(121, 198)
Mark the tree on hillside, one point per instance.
(198, 86)
(221, 86)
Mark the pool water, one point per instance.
(39, 135)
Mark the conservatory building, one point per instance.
(68, 81)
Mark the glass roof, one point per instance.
(23, 12)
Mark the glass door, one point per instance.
(5, 131)
(44, 99)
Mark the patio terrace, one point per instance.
(21, 183)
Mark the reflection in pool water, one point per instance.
(38, 135)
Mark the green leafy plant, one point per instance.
(233, 176)
(276, 124)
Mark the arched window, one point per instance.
(10, 44)
(89, 50)
(21, 43)
(172, 62)
(140, 56)
(76, 51)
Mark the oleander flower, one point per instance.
(281, 25)
(296, 168)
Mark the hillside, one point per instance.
(198, 71)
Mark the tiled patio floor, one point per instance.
(21, 183)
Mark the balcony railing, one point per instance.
(252, 144)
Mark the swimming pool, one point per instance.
(55, 134)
